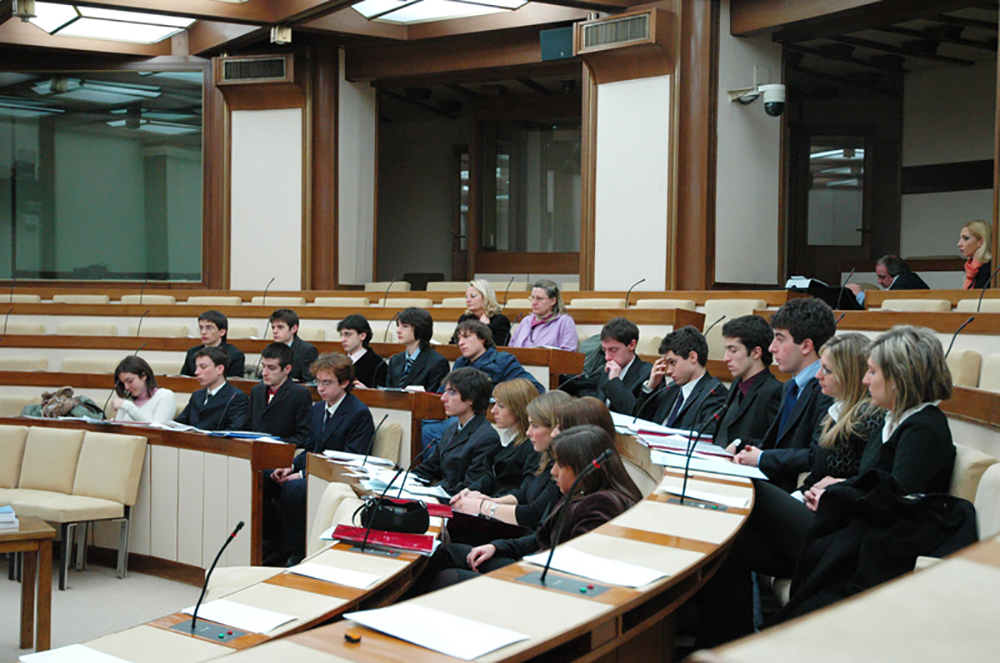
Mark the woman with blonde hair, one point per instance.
(482, 305)
(974, 244)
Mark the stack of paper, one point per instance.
(8, 520)
(601, 569)
(725, 467)
(243, 617)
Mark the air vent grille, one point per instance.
(253, 70)
(617, 31)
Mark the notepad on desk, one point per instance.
(243, 617)
(70, 654)
(702, 465)
(336, 575)
(612, 572)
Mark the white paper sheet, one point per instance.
(71, 654)
(436, 630)
(706, 496)
(601, 569)
(243, 617)
(711, 466)
(642, 425)
(336, 575)
(355, 459)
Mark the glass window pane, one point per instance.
(836, 190)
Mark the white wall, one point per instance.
(357, 118)
(266, 200)
(632, 184)
(748, 159)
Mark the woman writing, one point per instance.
(974, 245)
(482, 305)
(548, 325)
(137, 398)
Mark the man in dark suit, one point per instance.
(755, 394)
(465, 452)
(285, 329)
(356, 337)
(892, 273)
(218, 405)
(801, 327)
(694, 397)
(278, 406)
(213, 327)
(340, 422)
(418, 364)
(623, 372)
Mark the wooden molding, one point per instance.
(588, 184)
(499, 262)
(654, 56)
(261, 95)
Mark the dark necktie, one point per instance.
(791, 397)
(407, 366)
(675, 410)
(326, 419)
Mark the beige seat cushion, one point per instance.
(519, 303)
(215, 300)
(442, 333)
(242, 331)
(159, 330)
(59, 508)
(26, 329)
(380, 286)
(453, 302)
(570, 286)
(388, 442)
(149, 299)
(24, 364)
(969, 467)
(274, 300)
(988, 503)
(12, 439)
(964, 366)
(347, 302)
(990, 378)
(991, 305)
(110, 466)
(447, 286)
(333, 495)
(648, 344)
(7, 495)
(917, 305)
(686, 304)
(404, 302)
(86, 329)
(89, 365)
(12, 404)
(732, 309)
(7, 298)
(50, 458)
(582, 302)
(81, 299)
(516, 286)
(312, 333)
(166, 366)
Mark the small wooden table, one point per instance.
(34, 538)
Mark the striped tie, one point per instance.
(407, 366)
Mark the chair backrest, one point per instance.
(273, 300)
(686, 304)
(970, 305)
(380, 286)
(388, 442)
(988, 503)
(964, 366)
(215, 300)
(519, 303)
(12, 439)
(453, 302)
(12, 404)
(442, 333)
(333, 495)
(7, 298)
(732, 309)
(149, 299)
(649, 344)
(110, 466)
(969, 467)
(50, 458)
(345, 302)
(86, 329)
(25, 328)
(584, 302)
(312, 333)
(241, 331)
(447, 286)
(404, 302)
(990, 377)
(166, 366)
(24, 364)
(917, 305)
(81, 299)
(570, 286)
(159, 330)
(516, 286)
(89, 365)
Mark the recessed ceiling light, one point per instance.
(107, 24)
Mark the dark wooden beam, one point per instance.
(939, 36)
(843, 80)
(534, 86)
(840, 57)
(905, 52)
(419, 104)
(208, 38)
(461, 89)
(966, 22)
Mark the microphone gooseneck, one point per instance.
(650, 399)
(371, 520)
(507, 290)
(982, 290)
(385, 336)
(222, 417)
(415, 459)
(692, 444)
(837, 321)
(263, 299)
(385, 297)
(138, 327)
(6, 318)
(113, 390)
(585, 374)
(957, 332)
(840, 296)
(640, 281)
(712, 326)
(208, 576)
(371, 443)
(143, 289)
(139, 349)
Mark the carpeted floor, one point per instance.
(97, 603)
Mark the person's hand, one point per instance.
(117, 402)
(825, 482)
(469, 505)
(733, 446)
(813, 495)
(281, 474)
(358, 384)
(656, 375)
(855, 288)
(466, 493)
(749, 456)
(613, 369)
(480, 554)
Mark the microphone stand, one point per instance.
(955, 335)
(712, 326)
(385, 336)
(507, 290)
(578, 376)
(371, 443)
(204, 588)
(840, 296)
(631, 289)
(138, 327)
(142, 289)
(837, 321)
(6, 318)
(385, 297)
(222, 417)
(978, 306)
(693, 445)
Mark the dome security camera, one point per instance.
(774, 99)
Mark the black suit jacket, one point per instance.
(750, 418)
(237, 361)
(428, 370)
(304, 354)
(462, 456)
(621, 392)
(370, 368)
(695, 411)
(351, 429)
(909, 282)
(227, 410)
(787, 455)
(287, 415)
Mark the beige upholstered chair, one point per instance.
(453, 302)
(442, 332)
(988, 503)
(215, 300)
(12, 439)
(159, 330)
(343, 302)
(583, 302)
(12, 404)
(686, 304)
(405, 302)
(388, 442)
(159, 300)
(81, 299)
(731, 308)
(242, 331)
(380, 286)
(273, 300)
(991, 305)
(89, 365)
(166, 366)
(519, 304)
(86, 329)
(570, 286)
(970, 464)
(649, 344)
(25, 328)
(516, 286)
(990, 377)
(964, 366)
(312, 333)
(24, 364)
(917, 305)
(447, 286)
(7, 298)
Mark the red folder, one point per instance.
(418, 543)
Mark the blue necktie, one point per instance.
(791, 397)
(407, 365)
(675, 410)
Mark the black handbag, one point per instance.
(392, 515)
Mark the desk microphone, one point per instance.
(507, 290)
(138, 328)
(204, 587)
(415, 459)
(371, 519)
(384, 363)
(840, 297)
(222, 417)
(631, 289)
(955, 335)
(371, 443)
(712, 326)
(143, 289)
(13, 281)
(385, 297)
(650, 399)
(263, 298)
(140, 348)
(6, 318)
(385, 336)
(113, 390)
(978, 306)
(837, 321)
(594, 465)
(692, 444)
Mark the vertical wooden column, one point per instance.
(588, 162)
(996, 172)
(215, 191)
(323, 227)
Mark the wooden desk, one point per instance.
(876, 298)
(33, 538)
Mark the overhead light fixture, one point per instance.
(419, 11)
(24, 9)
(165, 128)
(107, 24)
(103, 92)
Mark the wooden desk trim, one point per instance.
(880, 297)
(33, 537)
(987, 324)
